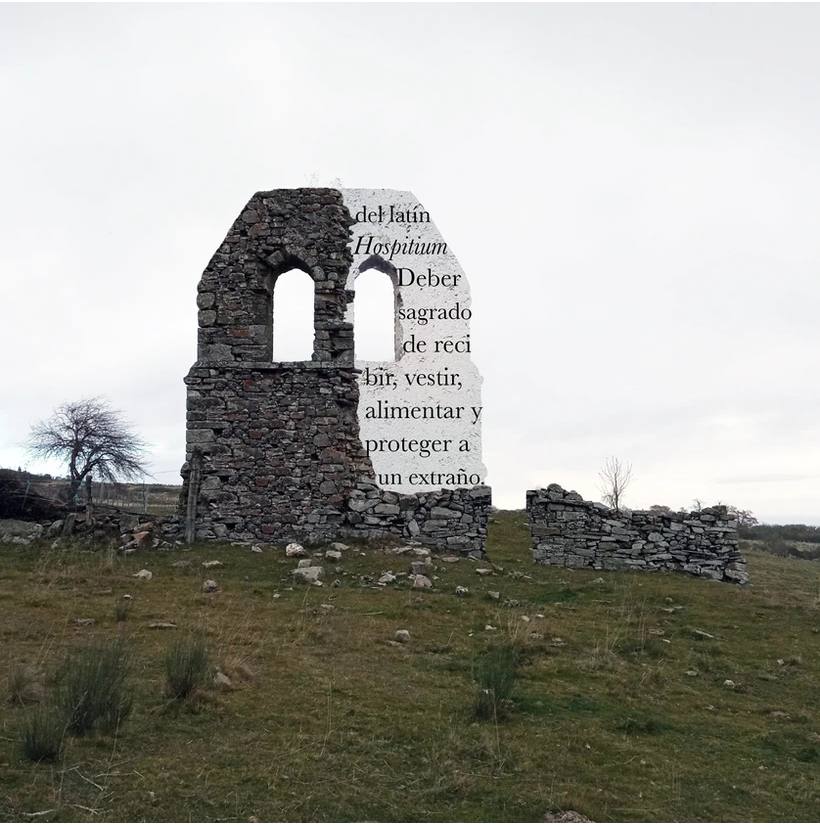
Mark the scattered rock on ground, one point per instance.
(483, 571)
(494, 595)
(421, 582)
(564, 816)
(728, 683)
(449, 559)
(402, 636)
(462, 591)
(308, 575)
(420, 567)
(209, 586)
(255, 548)
(294, 549)
(221, 681)
(144, 575)
(85, 622)
(387, 577)
(337, 545)
(14, 531)
(333, 555)
(213, 563)
(161, 626)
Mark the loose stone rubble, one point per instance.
(570, 532)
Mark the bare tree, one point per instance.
(615, 477)
(745, 518)
(91, 438)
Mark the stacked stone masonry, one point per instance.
(570, 532)
(276, 445)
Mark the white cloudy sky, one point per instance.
(634, 193)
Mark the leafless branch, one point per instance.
(615, 478)
(92, 439)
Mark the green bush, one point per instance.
(24, 687)
(42, 734)
(494, 673)
(92, 688)
(186, 666)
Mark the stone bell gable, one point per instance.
(273, 450)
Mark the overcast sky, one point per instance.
(633, 192)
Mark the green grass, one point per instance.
(42, 733)
(186, 666)
(92, 688)
(494, 672)
(329, 719)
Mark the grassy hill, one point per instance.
(620, 711)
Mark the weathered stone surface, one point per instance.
(570, 532)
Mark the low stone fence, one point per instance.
(105, 524)
(454, 520)
(570, 532)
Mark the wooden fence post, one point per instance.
(194, 480)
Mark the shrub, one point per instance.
(494, 673)
(92, 690)
(186, 666)
(42, 734)
(780, 547)
(24, 687)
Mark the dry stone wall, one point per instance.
(273, 450)
(570, 532)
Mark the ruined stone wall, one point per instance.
(274, 446)
(570, 532)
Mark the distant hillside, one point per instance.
(19, 487)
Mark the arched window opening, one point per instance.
(293, 316)
(374, 320)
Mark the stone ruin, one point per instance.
(570, 532)
(273, 449)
